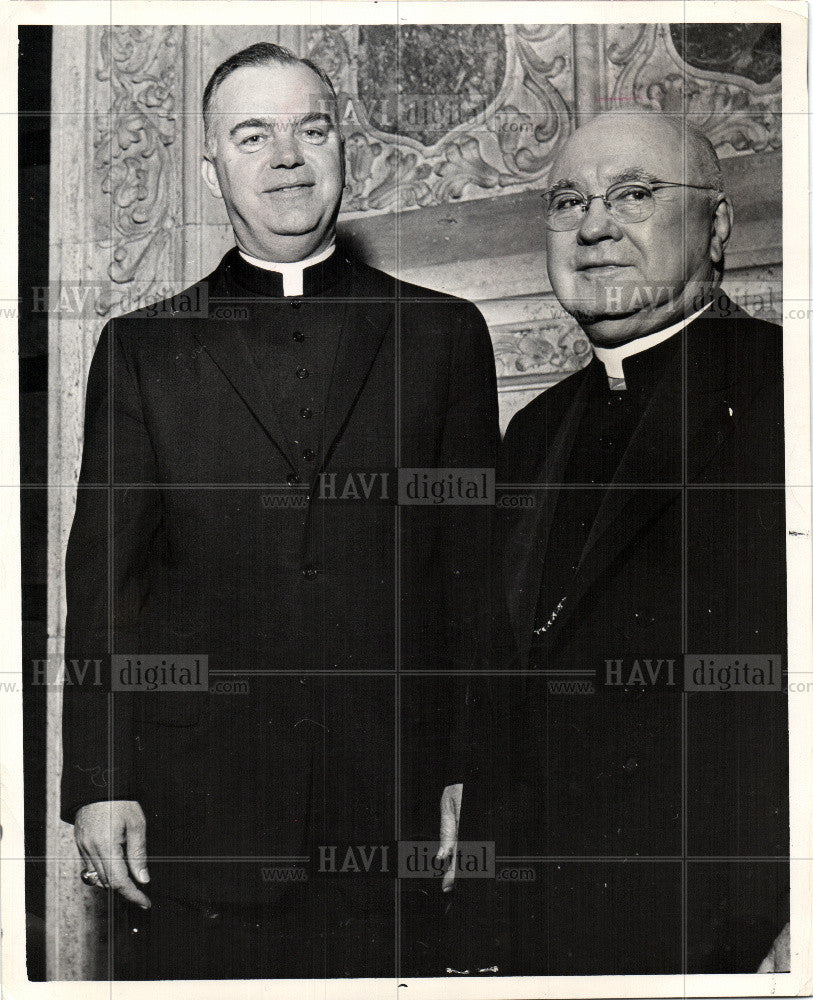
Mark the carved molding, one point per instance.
(540, 348)
(132, 157)
(738, 114)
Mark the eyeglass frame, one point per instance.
(589, 199)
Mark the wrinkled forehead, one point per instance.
(604, 152)
(288, 90)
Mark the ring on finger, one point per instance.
(90, 877)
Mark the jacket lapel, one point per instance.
(363, 328)
(626, 511)
(227, 347)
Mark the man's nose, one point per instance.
(284, 149)
(598, 224)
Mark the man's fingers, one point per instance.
(123, 884)
(95, 862)
(448, 878)
(87, 862)
(448, 852)
(449, 821)
(136, 847)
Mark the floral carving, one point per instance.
(404, 182)
(131, 150)
(328, 48)
(463, 165)
(540, 348)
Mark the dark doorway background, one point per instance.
(34, 78)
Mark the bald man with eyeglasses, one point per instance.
(657, 815)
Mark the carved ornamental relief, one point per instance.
(445, 113)
(724, 76)
(133, 159)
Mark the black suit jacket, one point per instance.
(178, 547)
(686, 555)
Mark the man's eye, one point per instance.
(252, 140)
(631, 194)
(566, 200)
(314, 133)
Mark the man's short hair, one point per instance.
(260, 54)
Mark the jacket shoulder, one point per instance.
(537, 415)
(532, 426)
(388, 286)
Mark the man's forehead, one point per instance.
(284, 89)
(606, 150)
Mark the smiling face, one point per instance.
(274, 155)
(625, 280)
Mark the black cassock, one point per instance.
(236, 501)
(658, 530)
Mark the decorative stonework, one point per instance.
(131, 153)
(554, 347)
(456, 127)
(722, 94)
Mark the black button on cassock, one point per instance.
(309, 572)
(302, 373)
(306, 413)
(298, 335)
(309, 455)
(294, 479)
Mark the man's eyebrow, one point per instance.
(315, 116)
(626, 174)
(563, 185)
(271, 123)
(631, 174)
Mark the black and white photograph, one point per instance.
(407, 529)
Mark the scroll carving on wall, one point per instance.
(553, 346)
(725, 77)
(133, 159)
(434, 114)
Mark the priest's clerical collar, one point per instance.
(613, 357)
(292, 272)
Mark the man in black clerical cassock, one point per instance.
(236, 503)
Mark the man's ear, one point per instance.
(207, 168)
(721, 223)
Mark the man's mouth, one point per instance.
(601, 267)
(289, 189)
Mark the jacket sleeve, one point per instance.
(470, 441)
(115, 524)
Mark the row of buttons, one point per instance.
(294, 479)
(310, 572)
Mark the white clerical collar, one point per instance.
(292, 272)
(613, 357)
